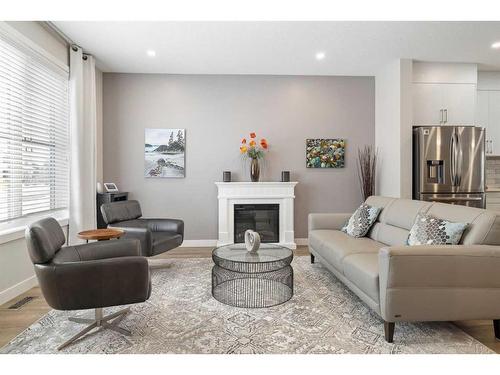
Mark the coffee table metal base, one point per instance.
(252, 290)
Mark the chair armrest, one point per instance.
(166, 225)
(327, 221)
(439, 266)
(95, 283)
(107, 249)
(144, 236)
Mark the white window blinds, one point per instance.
(33, 133)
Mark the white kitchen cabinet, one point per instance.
(427, 108)
(482, 107)
(444, 103)
(459, 103)
(488, 117)
(494, 122)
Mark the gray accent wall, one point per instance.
(217, 111)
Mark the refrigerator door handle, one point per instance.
(453, 158)
(451, 199)
(459, 159)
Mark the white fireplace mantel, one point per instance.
(231, 193)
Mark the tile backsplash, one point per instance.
(493, 171)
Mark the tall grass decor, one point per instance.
(367, 165)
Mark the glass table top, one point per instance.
(239, 253)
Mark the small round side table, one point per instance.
(100, 234)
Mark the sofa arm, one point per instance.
(327, 221)
(440, 266)
(439, 282)
(144, 235)
(166, 225)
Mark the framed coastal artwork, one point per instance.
(325, 153)
(164, 153)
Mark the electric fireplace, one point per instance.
(262, 218)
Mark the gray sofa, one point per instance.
(415, 283)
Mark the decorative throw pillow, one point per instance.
(361, 220)
(429, 230)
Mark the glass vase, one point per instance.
(254, 170)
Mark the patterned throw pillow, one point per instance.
(361, 220)
(429, 230)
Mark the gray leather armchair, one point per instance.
(156, 235)
(91, 276)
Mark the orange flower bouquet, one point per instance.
(254, 152)
(251, 149)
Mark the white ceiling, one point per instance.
(352, 48)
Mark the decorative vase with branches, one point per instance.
(253, 152)
(367, 165)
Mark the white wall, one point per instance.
(406, 127)
(393, 128)
(16, 269)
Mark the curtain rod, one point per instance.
(63, 36)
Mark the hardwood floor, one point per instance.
(14, 321)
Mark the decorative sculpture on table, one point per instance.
(252, 241)
(254, 152)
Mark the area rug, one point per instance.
(181, 316)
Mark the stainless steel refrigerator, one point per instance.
(448, 165)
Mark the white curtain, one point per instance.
(83, 119)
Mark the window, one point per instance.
(34, 116)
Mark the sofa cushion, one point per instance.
(120, 211)
(389, 234)
(483, 226)
(396, 218)
(362, 271)
(429, 230)
(334, 246)
(361, 220)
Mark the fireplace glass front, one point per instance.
(262, 218)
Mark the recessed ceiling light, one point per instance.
(320, 56)
(495, 45)
(151, 53)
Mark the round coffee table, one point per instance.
(243, 279)
(100, 234)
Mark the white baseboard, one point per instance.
(18, 289)
(213, 243)
(199, 243)
(301, 241)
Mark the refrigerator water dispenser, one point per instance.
(435, 170)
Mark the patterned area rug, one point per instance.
(182, 317)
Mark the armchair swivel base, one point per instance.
(101, 322)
